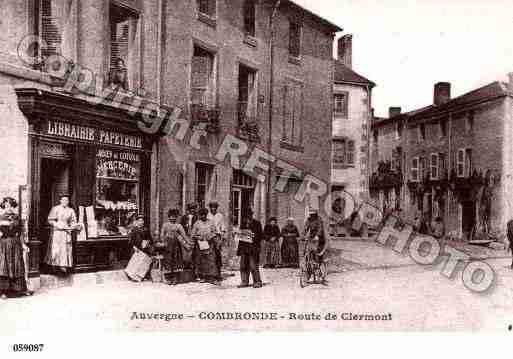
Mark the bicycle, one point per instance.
(312, 265)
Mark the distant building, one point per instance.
(452, 159)
(352, 101)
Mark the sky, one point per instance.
(406, 46)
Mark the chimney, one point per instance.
(345, 50)
(510, 83)
(394, 111)
(442, 93)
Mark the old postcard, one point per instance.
(255, 165)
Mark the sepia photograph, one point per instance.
(242, 166)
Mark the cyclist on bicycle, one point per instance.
(316, 242)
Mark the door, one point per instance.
(468, 219)
(55, 181)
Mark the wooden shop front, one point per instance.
(98, 155)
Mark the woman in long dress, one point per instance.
(205, 237)
(272, 243)
(290, 246)
(63, 220)
(12, 265)
(173, 238)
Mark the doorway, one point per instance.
(468, 219)
(55, 181)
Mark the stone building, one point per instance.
(455, 162)
(352, 114)
(83, 80)
(352, 103)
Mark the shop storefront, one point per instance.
(99, 157)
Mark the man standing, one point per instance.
(249, 250)
(218, 219)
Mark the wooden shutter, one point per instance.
(49, 27)
(350, 152)
(249, 17)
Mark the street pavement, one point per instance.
(365, 278)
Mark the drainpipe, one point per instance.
(159, 102)
(271, 104)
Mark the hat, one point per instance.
(203, 212)
(139, 216)
(291, 219)
(192, 206)
(213, 204)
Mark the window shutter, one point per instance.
(85, 175)
(415, 169)
(434, 166)
(249, 17)
(50, 31)
(350, 152)
(460, 163)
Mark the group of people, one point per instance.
(285, 255)
(193, 241)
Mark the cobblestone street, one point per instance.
(418, 298)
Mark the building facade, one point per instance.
(455, 161)
(352, 115)
(256, 71)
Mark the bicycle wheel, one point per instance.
(303, 276)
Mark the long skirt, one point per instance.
(60, 250)
(272, 252)
(12, 266)
(206, 262)
(173, 257)
(290, 252)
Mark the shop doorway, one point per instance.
(55, 181)
(468, 219)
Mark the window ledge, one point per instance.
(250, 40)
(291, 147)
(295, 60)
(207, 19)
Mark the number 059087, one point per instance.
(28, 347)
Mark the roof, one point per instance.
(344, 74)
(332, 26)
(488, 92)
(485, 93)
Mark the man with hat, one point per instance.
(249, 250)
(218, 219)
(315, 235)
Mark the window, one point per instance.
(460, 163)
(422, 132)
(124, 46)
(434, 167)
(202, 78)
(469, 122)
(295, 40)
(247, 94)
(422, 171)
(55, 22)
(292, 126)
(343, 152)
(249, 17)
(442, 125)
(468, 162)
(117, 192)
(207, 7)
(341, 104)
(399, 130)
(203, 180)
(415, 169)
(441, 166)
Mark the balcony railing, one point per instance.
(202, 115)
(249, 128)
